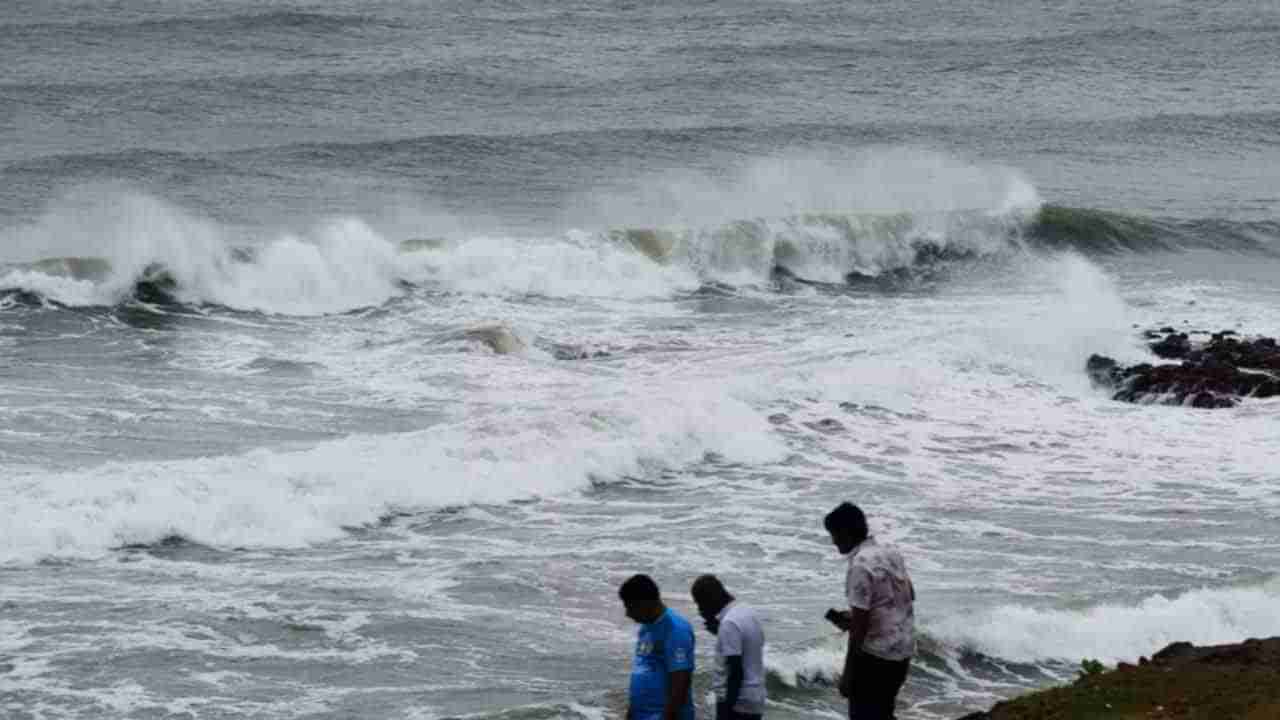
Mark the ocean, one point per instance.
(352, 353)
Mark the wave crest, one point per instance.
(121, 248)
(1114, 632)
(127, 247)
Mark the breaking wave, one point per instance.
(139, 248)
(1115, 632)
(288, 499)
(1060, 639)
(123, 248)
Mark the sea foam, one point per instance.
(282, 499)
(1117, 631)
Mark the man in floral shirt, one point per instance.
(880, 619)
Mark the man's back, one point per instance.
(740, 633)
(662, 647)
(877, 581)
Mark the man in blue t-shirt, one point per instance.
(663, 666)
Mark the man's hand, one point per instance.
(839, 619)
(846, 686)
(678, 694)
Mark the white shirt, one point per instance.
(877, 582)
(740, 633)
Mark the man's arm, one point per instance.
(733, 683)
(859, 620)
(678, 656)
(678, 694)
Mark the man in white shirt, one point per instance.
(739, 680)
(880, 619)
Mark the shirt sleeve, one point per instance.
(858, 587)
(679, 650)
(729, 641)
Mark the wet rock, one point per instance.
(577, 352)
(1215, 373)
(826, 425)
(1172, 346)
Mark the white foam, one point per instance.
(818, 663)
(340, 264)
(68, 291)
(875, 180)
(277, 499)
(1117, 632)
(1076, 311)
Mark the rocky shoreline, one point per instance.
(1239, 681)
(1216, 370)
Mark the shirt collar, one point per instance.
(724, 610)
(869, 542)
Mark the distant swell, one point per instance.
(1105, 232)
(286, 20)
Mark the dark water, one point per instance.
(260, 457)
(259, 112)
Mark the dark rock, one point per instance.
(576, 352)
(1172, 346)
(1212, 374)
(826, 425)
(1102, 369)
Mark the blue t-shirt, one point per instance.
(663, 646)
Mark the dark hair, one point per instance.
(709, 587)
(847, 517)
(639, 588)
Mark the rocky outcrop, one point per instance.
(1240, 681)
(1216, 370)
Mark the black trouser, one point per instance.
(876, 683)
